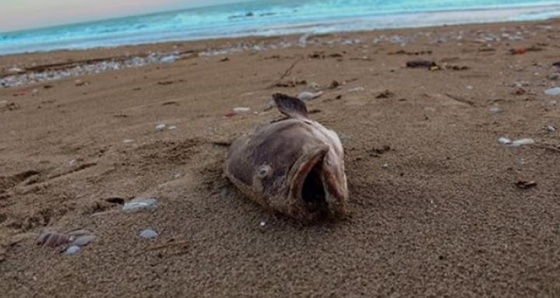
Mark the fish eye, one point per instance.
(263, 171)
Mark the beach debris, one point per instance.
(229, 114)
(307, 96)
(403, 52)
(75, 238)
(15, 70)
(53, 239)
(8, 106)
(519, 90)
(149, 234)
(554, 76)
(241, 110)
(140, 204)
(385, 94)
(303, 39)
(115, 200)
(357, 89)
(521, 142)
(421, 64)
(161, 127)
(72, 250)
(334, 84)
(521, 51)
(525, 184)
(290, 84)
(553, 91)
(294, 172)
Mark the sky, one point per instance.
(28, 14)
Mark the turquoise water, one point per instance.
(273, 17)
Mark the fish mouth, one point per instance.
(308, 184)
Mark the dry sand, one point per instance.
(435, 210)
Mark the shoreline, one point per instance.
(15, 67)
(343, 24)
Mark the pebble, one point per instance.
(550, 128)
(139, 204)
(128, 141)
(309, 95)
(161, 127)
(386, 166)
(172, 127)
(148, 234)
(72, 250)
(553, 91)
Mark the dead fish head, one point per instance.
(319, 181)
(294, 166)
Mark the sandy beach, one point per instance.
(439, 207)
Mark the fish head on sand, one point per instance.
(294, 166)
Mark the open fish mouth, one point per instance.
(309, 187)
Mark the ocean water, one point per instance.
(274, 17)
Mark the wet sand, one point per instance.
(435, 209)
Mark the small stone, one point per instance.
(161, 127)
(262, 224)
(550, 128)
(470, 87)
(72, 250)
(172, 127)
(553, 91)
(149, 234)
(385, 166)
(139, 204)
(128, 141)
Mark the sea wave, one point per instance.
(269, 18)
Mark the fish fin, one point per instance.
(290, 106)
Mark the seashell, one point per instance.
(83, 240)
(140, 204)
(148, 234)
(53, 239)
(72, 250)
